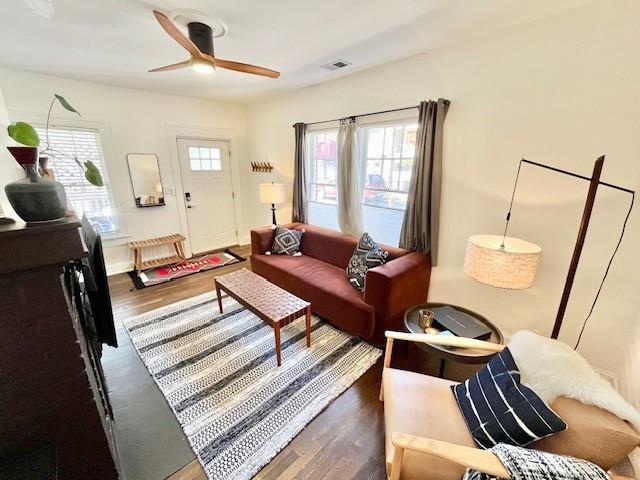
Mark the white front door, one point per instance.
(208, 193)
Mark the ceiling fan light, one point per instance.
(202, 66)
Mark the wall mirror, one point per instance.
(145, 180)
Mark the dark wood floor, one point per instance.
(345, 441)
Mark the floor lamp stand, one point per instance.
(577, 250)
(594, 182)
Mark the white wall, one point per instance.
(133, 122)
(9, 169)
(561, 91)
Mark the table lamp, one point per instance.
(275, 194)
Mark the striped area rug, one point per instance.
(218, 373)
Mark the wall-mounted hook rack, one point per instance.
(261, 166)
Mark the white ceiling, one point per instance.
(115, 42)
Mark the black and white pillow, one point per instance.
(500, 409)
(366, 255)
(286, 242)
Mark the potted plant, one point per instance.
(36, 198)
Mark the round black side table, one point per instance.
(459, 355)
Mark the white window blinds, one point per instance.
(84, 144)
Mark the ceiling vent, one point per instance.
(336, 65)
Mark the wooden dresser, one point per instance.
(52, 392)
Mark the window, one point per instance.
(387, 151)
(323, 153)
(388, 157)
(205, 159)
(84, 144)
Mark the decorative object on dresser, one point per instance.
(146, 182)
(218, 374)
(436, 443)
(34, 198)
(318, 276)
(275, 306)
(274, 194)
(444, 353)
(174, 241)
(200, 263)
(53, 392)
(511, 263)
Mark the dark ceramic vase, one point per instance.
(34, 198)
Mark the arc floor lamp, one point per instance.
(507, 262)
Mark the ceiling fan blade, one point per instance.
(175, 33)
(173, 66)
(245, 68)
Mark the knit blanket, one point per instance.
(528, 464)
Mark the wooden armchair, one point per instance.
(426, 437)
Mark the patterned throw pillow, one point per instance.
(366, 255)
(500, 409)
(287, 242)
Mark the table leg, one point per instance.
(276, 331)
(308, 320)
(219, 297)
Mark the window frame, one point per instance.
(363, 137)
(104, 133)
(328, 127)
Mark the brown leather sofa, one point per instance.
(319, 277)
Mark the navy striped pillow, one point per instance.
(499, 409)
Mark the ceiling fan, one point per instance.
(200, 45)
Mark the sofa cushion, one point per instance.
(335, 247)
(593, 434)
(498, 408)
(366, 255)
(423, 405)
(286, 242)
(323, 285)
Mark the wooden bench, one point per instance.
(174, 240)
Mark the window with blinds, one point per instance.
(84, 144)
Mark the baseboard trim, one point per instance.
(117, 268)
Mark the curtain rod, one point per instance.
(369, 114)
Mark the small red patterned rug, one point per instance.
(201, 263)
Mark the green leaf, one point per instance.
(24, 133)
(92, 174)
(65, 104)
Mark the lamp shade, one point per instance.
(512, 264)
(272, 193)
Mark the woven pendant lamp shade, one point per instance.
(512, 265)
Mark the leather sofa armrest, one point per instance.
(261, 240)
(396, 286)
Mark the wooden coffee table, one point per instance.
(275, 306)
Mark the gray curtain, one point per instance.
(421, 217)
(299, 175)
(348, 179)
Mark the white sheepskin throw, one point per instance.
(554, 369)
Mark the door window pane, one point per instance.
(205, 159)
